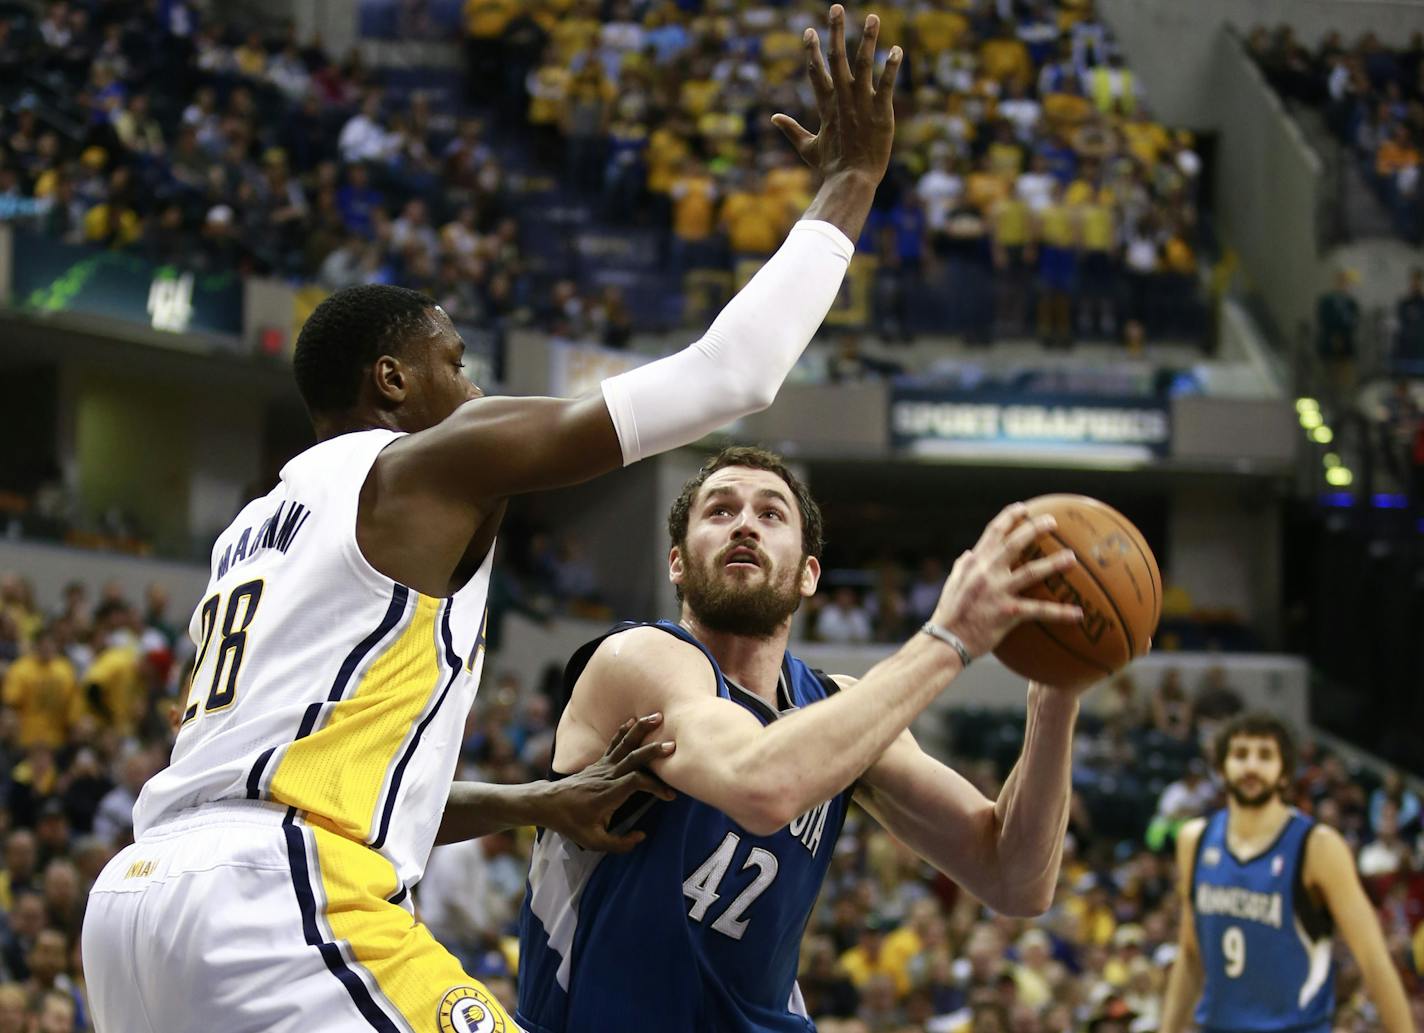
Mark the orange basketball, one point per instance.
(1116, 582)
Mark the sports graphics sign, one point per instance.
(932, 421)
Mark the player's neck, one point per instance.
(753, 663)
(336, 424)
(1256, 827)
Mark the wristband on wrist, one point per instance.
(950, 639)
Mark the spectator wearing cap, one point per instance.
(867, 960)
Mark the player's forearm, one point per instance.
(807, 757)
(740, 363)
(844, 201)
(1031, 813)
(476, 809)
(1387, 992)
(1183, 989)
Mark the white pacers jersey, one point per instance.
(319, 683)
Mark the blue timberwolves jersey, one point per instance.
(1265, 945)
(698, 928)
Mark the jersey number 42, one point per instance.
(701, 886)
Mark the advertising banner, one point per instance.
(927, 420)
(53, 277)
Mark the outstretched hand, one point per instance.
(983, 599)
(584, 803)
(857, 115)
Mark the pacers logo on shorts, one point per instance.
(469, 1009)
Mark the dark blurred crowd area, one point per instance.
(1371, 92)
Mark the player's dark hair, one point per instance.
(756, 459)
(345, 336)
(1262, 725)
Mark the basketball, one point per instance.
(1116, 582)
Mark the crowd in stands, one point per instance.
(1032, 193)
(140, 127)
(86, 717)
(1027, 162)
(1371, 92)
(89, 712)
(886, 600)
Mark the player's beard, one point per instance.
(757, 610)
(1260, 798)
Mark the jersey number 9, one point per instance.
(1233, 945)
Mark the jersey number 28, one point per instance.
(227, 659)
(701, 885)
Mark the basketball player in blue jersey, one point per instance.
(699, 929)
(341, 638)
(1263, 887)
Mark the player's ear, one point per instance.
(676, 569)
(810, 576)
(391, 380)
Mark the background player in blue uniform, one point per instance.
(1262, 887)
(698, 929)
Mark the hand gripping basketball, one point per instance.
(983, 599)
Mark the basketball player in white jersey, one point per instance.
(340, 641)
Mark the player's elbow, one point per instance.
(760, 813)
(761, 805)
(1023, 903)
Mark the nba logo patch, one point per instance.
(469, 1009)
(1211, 857)
(1278, 864)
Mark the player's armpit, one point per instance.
(644, 670)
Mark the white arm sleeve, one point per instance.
(739, 365)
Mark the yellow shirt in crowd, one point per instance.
(1098, 225)
(693, 209)
(938, 31)
(1066, 109)
(44, 694)
(666, 151)
(1004, 60)
(755, 222)
(1056, 227)
(486, 19)
(117, 673)
(1013, 222)
(860, 968)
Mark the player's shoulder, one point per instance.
(1325, 848)
(1189, 836)
(647, 651)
